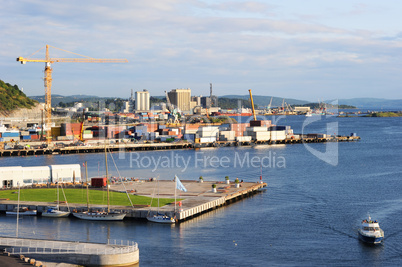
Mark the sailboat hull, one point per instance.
(56, 214)
(161, 219)
(99, 216)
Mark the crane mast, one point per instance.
(252, 105)
(48, 78)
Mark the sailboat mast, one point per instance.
(86, 172)
(175, 186)
(158, 197)
(58, 196)
(18, 207)
(107, 183)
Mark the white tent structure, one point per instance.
(11, 176)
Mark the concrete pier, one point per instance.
(82, 254)
(128, 147)
(198, 199)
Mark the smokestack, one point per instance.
(210, 90)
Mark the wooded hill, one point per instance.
(12, 98)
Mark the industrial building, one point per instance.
(142, 100)
(181, 98)
(11, 177)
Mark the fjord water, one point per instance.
(308, 216)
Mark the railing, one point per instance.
(20, 246)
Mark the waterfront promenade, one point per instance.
(198, 199)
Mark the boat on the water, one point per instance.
(370, 231)
(161, 218)
(22, 211)
(54, 212)
(100, 215)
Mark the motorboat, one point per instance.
(55, 213)
(99, 215)
(22, 211)
(161, 218)
(370, 231)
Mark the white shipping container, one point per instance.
(278, 135)
(228, 134)
(208, 128)
(191, 131)
(207, 139)
(257, 129)
(243, 138)
(261, 136)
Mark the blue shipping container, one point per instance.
(26, 137)
(11, 134)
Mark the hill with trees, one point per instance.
(12, 98)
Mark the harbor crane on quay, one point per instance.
(48, 77)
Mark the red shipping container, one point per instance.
(98, 182)
(34, 137)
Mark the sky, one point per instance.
(309, 50)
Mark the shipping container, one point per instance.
(98, 182)
(207, 139)
(243, 138)
(11, 134)
(278, 135)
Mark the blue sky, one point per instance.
(309, 49)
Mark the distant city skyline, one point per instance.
(305, 50)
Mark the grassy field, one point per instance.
(79, 196)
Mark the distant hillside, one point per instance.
(263, 101)
(56, 99)
(12, 98)
(372, 103)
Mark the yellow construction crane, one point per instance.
(48, 77)
(252, 105)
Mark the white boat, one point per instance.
(309, 114)
(100, 215)
(370, 232)
(54, 212)
(161, 218)
(22, 211)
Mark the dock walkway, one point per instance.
(87, 254)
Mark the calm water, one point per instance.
(308, 216)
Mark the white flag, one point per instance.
(179, 185)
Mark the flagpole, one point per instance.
(175, 179)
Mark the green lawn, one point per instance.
(79, 196)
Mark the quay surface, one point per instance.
(128, 147)
(77, 253)
(198, 199)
